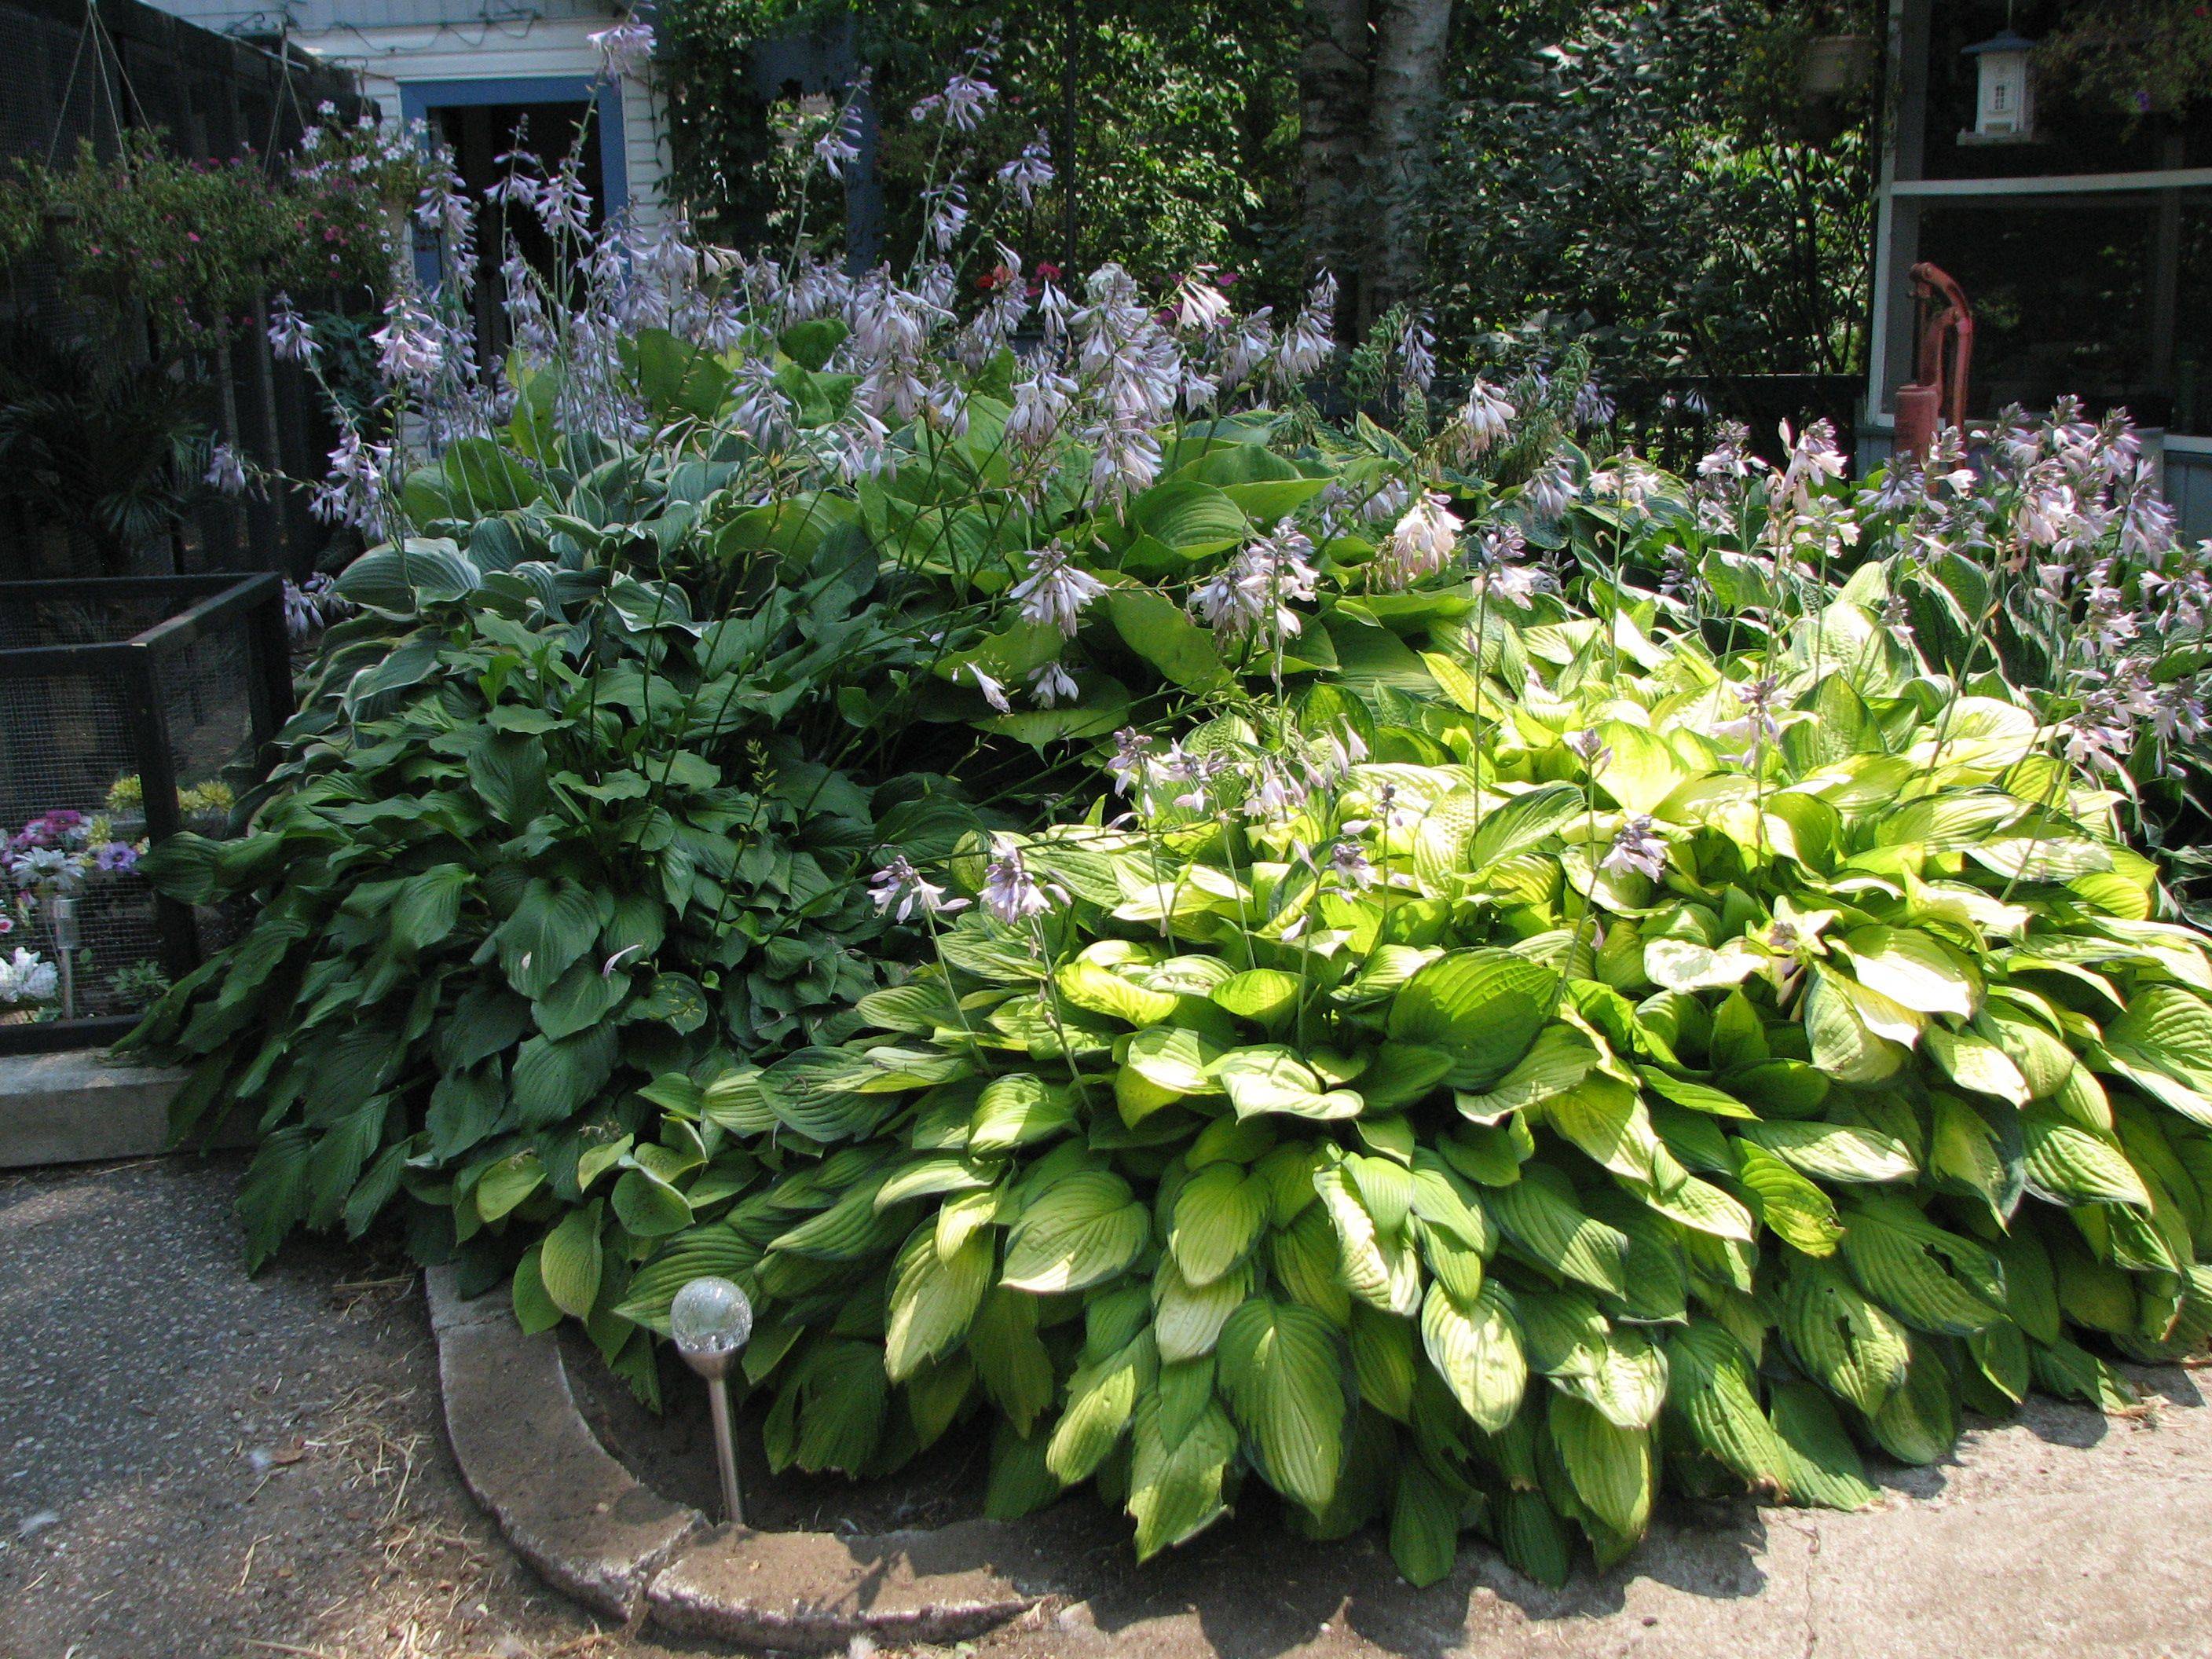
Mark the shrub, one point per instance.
(1646, 1063)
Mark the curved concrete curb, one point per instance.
(588, 1526)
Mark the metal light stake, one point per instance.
(61, 923)
(711, 1321)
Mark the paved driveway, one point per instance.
(195, 1465)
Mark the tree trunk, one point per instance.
(1406, 93)
(1334, 73)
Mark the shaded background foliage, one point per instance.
(1645, 173)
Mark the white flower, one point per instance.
(27, 978)
(1252, 595)
(1550, 490)
(1055, 592)
(993, 693)
(900, 892)
(225, 471)
(626, 48)
(1485, 419)
(1051, 685)
(1639, 848)
(290, 339)
(1029, 172)
(1424, 542)
(1010, 893)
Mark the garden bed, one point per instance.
(130, 709)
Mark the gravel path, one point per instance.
(196, 1465)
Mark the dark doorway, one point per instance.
(478, 135)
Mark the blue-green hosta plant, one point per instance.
(1619, 1067)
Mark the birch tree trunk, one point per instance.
(1333, 90)
(1404, 95)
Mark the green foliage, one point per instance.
(193, 242)
(1561, 1101)
(1634, 171)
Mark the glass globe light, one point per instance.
(710, 1321)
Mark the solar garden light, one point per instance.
(710, 1321)
(61, 923)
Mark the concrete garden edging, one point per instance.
(591, 1528)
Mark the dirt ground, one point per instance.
(201, 1466)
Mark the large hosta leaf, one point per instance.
(1932, 1280)
(1484, 1006)
(1175, 1473)
(1218, 1217)
(1475, 1346)
(933, 1297)
(1288, 1379)
(1083, 1229)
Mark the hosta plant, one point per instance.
(1620, 1067)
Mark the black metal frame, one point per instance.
(136, 664)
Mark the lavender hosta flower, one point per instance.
(1754, 724)
(354, 492)
(1628, 483)
(443, 205)
(1592, 407)
(1483, 420)
(1041, 404)
(945, 407)
(1251, 596)
(409, 347)
(1132, 759)
(1311, 336)
(1639, 847)
(1012, 894)
(948, 216)
(1813, 460)
(1423, 542)
(1242, 347)
(1350, 868)
(2045, 515)
(839, 147)
(962, 105)
(1550, 490)
(1274, 790)
(561, 203)
(1125, 461)
(225, 472)
(1029, 172)
(25, 976)
(2147, 526)
(993, 693)
(900, 893)
(1199, 306)
(1416, 354)
(1591, 748)
(626, 49)
(290, 339)
(1050, 685)
(1055, 591)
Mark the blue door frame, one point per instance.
(418, 97)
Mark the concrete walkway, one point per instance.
(200, 1466)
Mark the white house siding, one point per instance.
(391, 41)
(386, 57)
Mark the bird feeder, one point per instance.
(2004, 97)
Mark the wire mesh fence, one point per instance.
(130, 709)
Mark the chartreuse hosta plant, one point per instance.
(1629, 1066)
